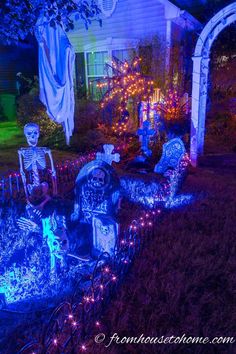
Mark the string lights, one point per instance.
(173, 107)
(127, 85)
(106, 276)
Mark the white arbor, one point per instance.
(201, 59)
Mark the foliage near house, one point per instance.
(30, 109)
(19, 18)
(128, 87)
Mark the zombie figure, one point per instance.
(55, 234)
(97, 191)
(33, 158)
(51, 224)
(97, 195)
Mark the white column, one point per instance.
(195, 109)
(199, 100)
(168, 45)
(202, 104)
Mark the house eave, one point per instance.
(181, 17)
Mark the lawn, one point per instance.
(11, 135)
(184, 281)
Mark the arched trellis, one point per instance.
(201, 59)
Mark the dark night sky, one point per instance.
(203, 10)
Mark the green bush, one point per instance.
(30, 109)
(2, 116)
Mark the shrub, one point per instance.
(87, 115)
(30, 109)
(2, 115)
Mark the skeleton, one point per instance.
(33, 159)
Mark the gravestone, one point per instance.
(105, 232)
(108, 155)
(173, 152)
(145, 133)
(97, 195)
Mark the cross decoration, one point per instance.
(145, 133)
(107, 155)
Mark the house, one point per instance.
(127, 26)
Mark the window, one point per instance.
(96, 63)
(96, 70)
(96, 58)
(124, 54)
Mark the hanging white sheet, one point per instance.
(56, 65)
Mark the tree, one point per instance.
(127, 85)
(19, 17)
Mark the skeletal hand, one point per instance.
(75, 214)
(54, 173)
(27, 225)
(22, 174)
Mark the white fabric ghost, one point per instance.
(56, 65)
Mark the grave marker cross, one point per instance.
(145, 133)
(107, 155)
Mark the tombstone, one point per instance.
(173, 152)
(96, 201)
(105, 232)
(145, 133)
(107, 155)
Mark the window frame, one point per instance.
(108, 45)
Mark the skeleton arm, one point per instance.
(54, 176)
(22, 172)
(51, 161)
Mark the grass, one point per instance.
(11, 135)
(184, 281)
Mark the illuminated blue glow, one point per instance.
(28, 262)
(179, 201)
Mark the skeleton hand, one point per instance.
(75, 214)
(22, 175)
(27, 225)
(54, 173)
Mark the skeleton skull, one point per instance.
(31, 131)
(98, 178)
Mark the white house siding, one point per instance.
(132, 19)
(178, 33)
